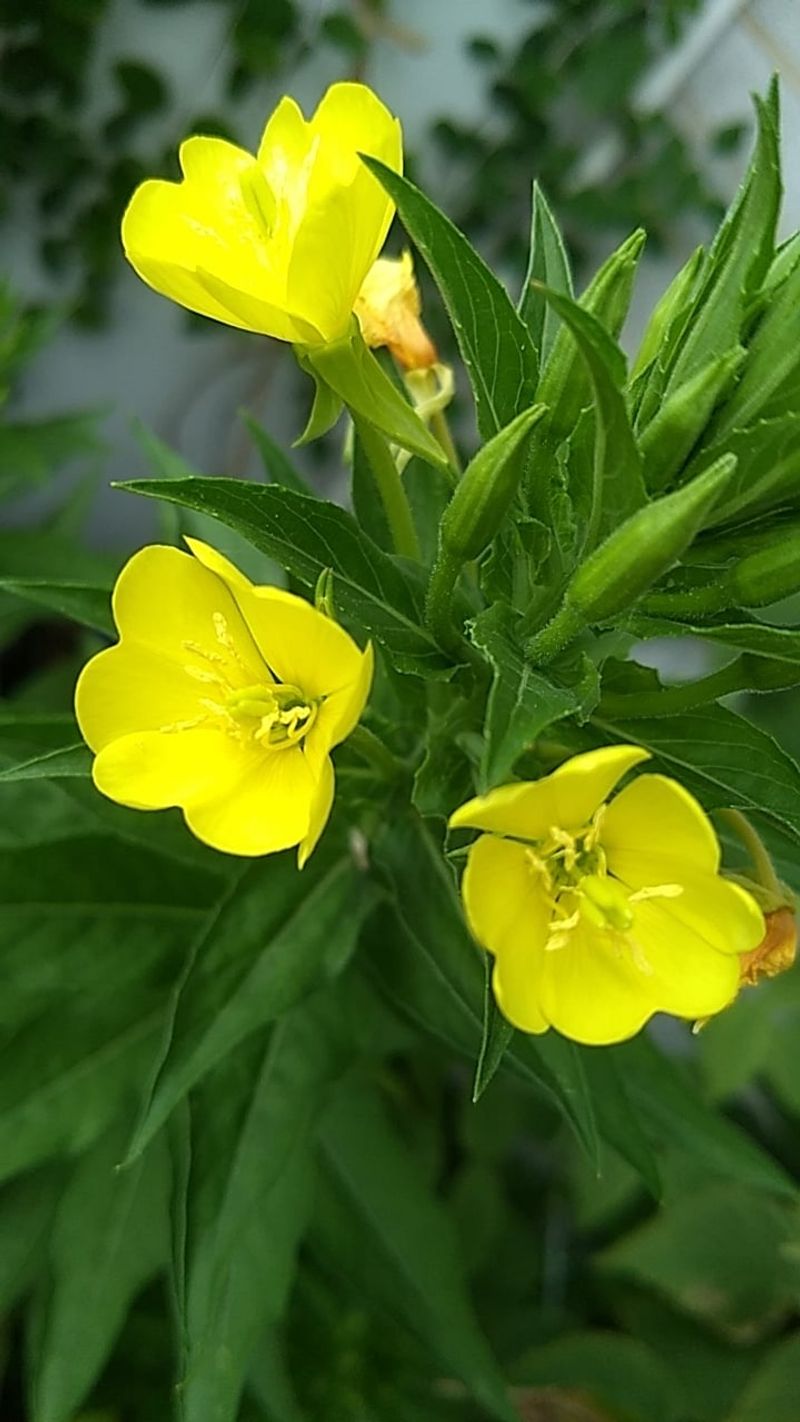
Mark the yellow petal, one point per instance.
(339, 714)
(284, 158)
(346, 210)
(567, 798)
(269, 807)
(320, 810)
(131, 688)
(687, 976)
(152, 770)
(656, 816)
(509, 918)
(251, 312)
(592, 991)
(720, 912)
(166, 600)
(302, 646)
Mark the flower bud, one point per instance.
(768, 574)
(664, 312)
(388, 308)
(646, 546)
(483, 496)
(670, 437)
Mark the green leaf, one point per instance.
(771, 379)
(494, 342)
(349, 368)
(372, 591)
(87, 603)
(772, 1391)
(168, 464)
(368, 506)
(410, 1230)
(738, 260)
(26, 1212)
(755, 638)
(767, 470)
(721, 758)
(262, 949)
(722, 1254)
(674, 1114)
(523, 700)
(497, 1033)
(326, 408)
(618, 485)
(247, 1206)
(277, 465)
(109, 1238)
(548, 265)
(621, 1375)
(618, 1120)
(432, 971)
(75, 760)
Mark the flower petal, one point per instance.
(164, 599)
(657, 817)
(320, 810)
(567, 798)
(339, 714)
(302, 646)
(510, 919)
(267, 809)
(592, 991)
(687, 975)
(720, 912)
(152, 770)
(131, 688)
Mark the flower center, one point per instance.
(574, 875)
(278, 715)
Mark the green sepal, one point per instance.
(671, 436)
(667, 309)
(352, 375)
(647, 544)
(327, 406)
(489, 483)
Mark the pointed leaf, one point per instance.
(548, 265)
(377, 594)
(494, 342)
(74, 760)
(87, 603)
(497, 1034)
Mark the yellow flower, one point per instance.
(600, 914)
(222, 698)
(388, 308)
(279, 243)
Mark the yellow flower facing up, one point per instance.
(222, 698)
(600, 913)
(388, 308)
(278, 243)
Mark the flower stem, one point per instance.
(441, 428)
(751, 839)
(438, 608)
(369, 746)
(554, 637)
(390, 488)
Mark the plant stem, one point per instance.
(390, 488)
(673, 699)
(369, 746)
(441, 428)
(553, 638)
(438, 609)
(751, 839)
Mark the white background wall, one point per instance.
(187, 386)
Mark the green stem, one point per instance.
(366, 744)
(438, 609)
(685, 606)
(553, 638)
(390, 488)
(441, 428)
(765, 873)
(671, 700)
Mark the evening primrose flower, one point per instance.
(278, 243)
(600, 913)
(222, 698)
(388, 308)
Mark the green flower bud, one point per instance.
(671, 305)
(483, 497)
(768, 574)
(633, 557)
(670, 437)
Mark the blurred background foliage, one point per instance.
(598, 1302)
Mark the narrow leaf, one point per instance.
(495, 344)
(548, 265)
(87, 603)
